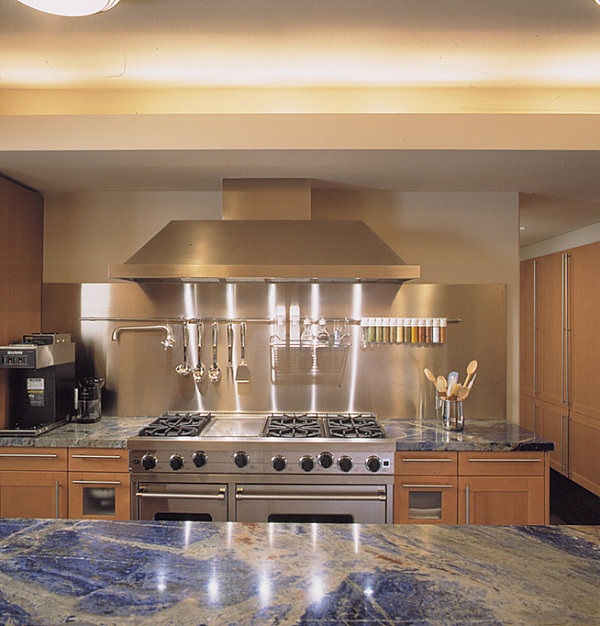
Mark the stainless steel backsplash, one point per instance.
(387, 379)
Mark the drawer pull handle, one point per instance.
(44, 456)
(427, 486)
(96, 482)
(427, 460)
(504, 460)
(192, 496)
(95, 456)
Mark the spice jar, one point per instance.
(379, 330)
(435, 335)
(421, 332)
(414, 330)
(443, 322)
(406, 330)
(428, 329)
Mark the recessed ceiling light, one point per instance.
(70, 8)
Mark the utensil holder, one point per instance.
(452, 415)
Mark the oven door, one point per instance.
(365, 504)
(194, 502)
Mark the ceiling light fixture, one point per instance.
(70, 8)
(522, 227)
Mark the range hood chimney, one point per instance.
(266, 234)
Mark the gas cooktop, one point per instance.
(280, 425)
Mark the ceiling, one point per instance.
(275, 44)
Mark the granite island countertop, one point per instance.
(426, 434)
(95, 572)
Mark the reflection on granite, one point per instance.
(94, 572)
(485, 435)
(109, 432)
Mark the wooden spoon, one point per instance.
(429, 375)
(471, 368)
(440, 384)
(463, 392)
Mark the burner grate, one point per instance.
(176, 425)
(361, 426)
(293, 426)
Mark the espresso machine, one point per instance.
(41, 382)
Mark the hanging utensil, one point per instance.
(184, 368)
(199, 371)
(214, 371)
(229, 348)
(242, 374)
(471, 368)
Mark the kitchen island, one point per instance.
(93, 572)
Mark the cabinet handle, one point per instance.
(467, 499)
(566, 329)
(96, 482)
(96, 456)
(562, 335)
(191, 496)
(534, 333)
(45, 456)
(427, 486)
(56, 498)
(504, 460)
(427, 460)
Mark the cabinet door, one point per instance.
(528, 328)
(99, 495)
(584, 444)
(33, 494)
(425, 499)
(501, 500)
(554, 426)
(551, 348)
(529, 413)
(583, 337)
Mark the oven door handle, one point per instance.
(189, 496)
(240, 495)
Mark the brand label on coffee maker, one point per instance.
(35, 391)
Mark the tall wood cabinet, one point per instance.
(560, 357)
(21, 244)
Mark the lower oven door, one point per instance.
(365, 504)
(179, 501)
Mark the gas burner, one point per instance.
(363, 426)
(293, 426)
(184, 424)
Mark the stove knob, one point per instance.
(307, 463)
(326, 460)
(199, 458)
(345, 463)
(241, 459)
(176, 462)
(279, 463)
(149, 462)
(373, 463)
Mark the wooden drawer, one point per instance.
(425, 463)
(501, 463)
(30, 458)
(98, 460)
(99, 495)
(425, 499)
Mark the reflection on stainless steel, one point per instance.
(386, 379)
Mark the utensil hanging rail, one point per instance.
(219, 320)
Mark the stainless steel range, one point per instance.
(263, 467)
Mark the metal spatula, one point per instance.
(242, 373)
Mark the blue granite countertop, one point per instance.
(95, 572)
(490, 435)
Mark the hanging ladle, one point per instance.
(199, 370)
(214, 371)
(184, 368)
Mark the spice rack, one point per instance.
(403, 330)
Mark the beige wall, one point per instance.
(84, 232)
(456, 237)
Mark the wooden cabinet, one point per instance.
(33, 482)
(471, 488)
(559, 291)
(21, 237)
(98, 484)
(502, 488)
(425, 488)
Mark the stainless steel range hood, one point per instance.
(264, 249)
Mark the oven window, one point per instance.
(183, 517)
(310, 518)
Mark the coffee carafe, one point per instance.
(89, 400)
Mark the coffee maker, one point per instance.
(41, 380)
(89, 400)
